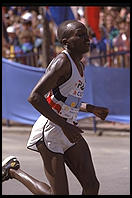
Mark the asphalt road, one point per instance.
(111, 156)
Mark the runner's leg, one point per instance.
(55, 170)
(35, 186)
(78, 159)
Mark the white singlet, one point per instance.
(65, 100)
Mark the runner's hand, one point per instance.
(100, 112)
(72, 132)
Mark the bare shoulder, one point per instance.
(59, 69)
(59, 63)
(56, 74)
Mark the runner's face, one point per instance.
(79, 39)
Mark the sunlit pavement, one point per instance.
(110, 152)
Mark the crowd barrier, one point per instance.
(115, 59)
(108, 87)
(30, 58)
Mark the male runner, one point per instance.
(55, 135)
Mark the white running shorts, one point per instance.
(51, 134)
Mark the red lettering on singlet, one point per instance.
(53, 104)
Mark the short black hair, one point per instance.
(64, 31)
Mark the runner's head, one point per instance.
(73, 35)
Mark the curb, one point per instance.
(99, 132)
(16, 129)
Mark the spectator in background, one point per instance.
(37, 29)
(92, 23)
(11, 15)
(127, 27)
(7, 20)
(120, 40)
(28, 18)
(79, 13)
(14, 44)
(13, 39)
(26, 41)
(115, 24)
(27, 46)
(105, 27)
(26, 21)
(101, 18)
(123, 13)
(18, 28)
(111, 30)
(5, 40)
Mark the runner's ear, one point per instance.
(64, 41)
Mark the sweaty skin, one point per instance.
(75, 40)
(58, 72)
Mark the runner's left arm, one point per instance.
(100, 112)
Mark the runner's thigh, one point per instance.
(54, 170)
(78, 159)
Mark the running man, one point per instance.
(55, 135)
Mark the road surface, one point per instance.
(111, 156)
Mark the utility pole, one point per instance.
(46, 39)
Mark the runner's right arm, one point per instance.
(49, 80)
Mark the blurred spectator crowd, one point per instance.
(23, 33)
